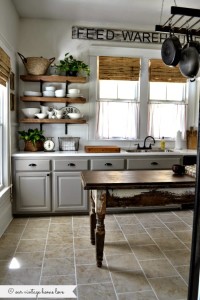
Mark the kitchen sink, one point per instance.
(148, 150)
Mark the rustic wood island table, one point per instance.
(113, 188)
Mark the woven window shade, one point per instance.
(4, 67)
(159, 72)
(119, 68)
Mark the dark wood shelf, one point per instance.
(80, 100)
(52, 121)
(53, 78)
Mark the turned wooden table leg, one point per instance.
(100, 236)
(92, 220)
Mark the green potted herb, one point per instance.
(33, 139)
(72, 66)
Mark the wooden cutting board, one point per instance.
(102, 149)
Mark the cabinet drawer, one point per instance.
(152, 163)
(70, 165)
(107, 164)
(32, 165)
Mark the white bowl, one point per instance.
(73, 91)
(30, 112)
(74, 115)
(32, 93)
(60, 93)
(49, 94)
(50, 88)
(41, 115)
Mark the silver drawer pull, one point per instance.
(32, 165)
(108, 164)
(154, 163)
(71, 165)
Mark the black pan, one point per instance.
(171, 51)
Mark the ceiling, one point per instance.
(138, 13)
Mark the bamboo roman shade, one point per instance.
(159, 72)
(119, 68)
(4, 67)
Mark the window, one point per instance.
(167, 102)
(118, 98)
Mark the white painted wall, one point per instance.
(9, 25)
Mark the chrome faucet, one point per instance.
(144, 147)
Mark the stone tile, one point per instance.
(58, 280)
(34, 245)
(139, 239)
(157, 268)
(160, 233)
(60, 228)
(147, 252)
(83, 243)
(146, 295)
(122, 262)
(59, 251)
(178, 257)
(177, 226)
(35, 233)
(59, 238)
(149, 223)
(188, 221)
(184, 236)
(85, 256)
(167, 217)
(58, 266)
(19, 221)
(169, 288)
(79, 221)
(133, 229)
(130, 281)
(102, 291)
(114, 236)
(112, 226)
(29, 259)
(34, 223)
(4, 265)
(7, 252)
(184, 213)
(15, 229)
(81, 232)
(184, 272)
(169, 244)
(127, 219)
(26, 276)
(145, 215)
(9, 239)
(121, 247)
(62, 220)
(94, 274)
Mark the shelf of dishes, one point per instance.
(53, 78)
(54, 121)
(80, 100)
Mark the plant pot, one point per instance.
(29, 146)
(72, 73)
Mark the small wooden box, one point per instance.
(191, 139)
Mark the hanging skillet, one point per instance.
(189, 60)
(171, 51)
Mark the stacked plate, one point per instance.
(32, 93)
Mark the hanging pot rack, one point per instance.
(181, 21)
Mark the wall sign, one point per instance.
(122, 35)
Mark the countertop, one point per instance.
(82, 153)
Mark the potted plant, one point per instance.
(72, 66)
(33, 139)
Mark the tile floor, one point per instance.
(147, 255)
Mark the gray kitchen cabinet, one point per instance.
(32, 186)
(153, 163)
(68, 193)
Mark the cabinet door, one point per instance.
(68, 193)
(32, 192)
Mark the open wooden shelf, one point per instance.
(80, 100)
(52, 121)
(53, 78)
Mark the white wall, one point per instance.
(9, 25)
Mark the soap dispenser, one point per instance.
(162, 143)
